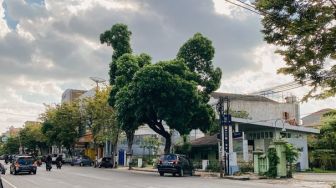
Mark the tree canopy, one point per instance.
(198, 54)
(61, 124)
(305, 31)
(166, 92)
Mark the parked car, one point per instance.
(105, 162)
(82, 161)
(23, 163)
(175, 164)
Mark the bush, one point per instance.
(246, 167)
(213, 166)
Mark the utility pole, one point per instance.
(220, 109)
(223, 107)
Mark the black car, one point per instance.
(23, 164)
(106, 162)
(175, 164)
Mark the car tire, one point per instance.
(15, 172)
(181, 173)
(72, 164)
(161, 173)
(81, 164)
(174, 174)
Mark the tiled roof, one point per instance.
(205, 141)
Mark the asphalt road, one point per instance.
(88, 177)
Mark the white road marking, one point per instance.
(9, 183)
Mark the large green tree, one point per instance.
(122, 69)
(166, 93)
(198, 54)
(305, 31)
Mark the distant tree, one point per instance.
(12, 145)
(151, 143)
(100, 118)
(32, 137)
(61, 124)
(305, 31)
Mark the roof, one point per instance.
(205, 141)
(314, 119)
(242, 97)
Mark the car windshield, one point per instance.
(25, 160)
(168, 157)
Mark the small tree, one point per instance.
(273, 161)
(291, 156)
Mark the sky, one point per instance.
(47, 46)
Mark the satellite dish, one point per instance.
(97, 79)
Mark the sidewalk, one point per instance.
(197, 173)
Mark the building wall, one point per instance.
(260, 110)
(70, 95)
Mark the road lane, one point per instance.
(88, 177)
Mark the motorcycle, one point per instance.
(59, 165)
(48, 166)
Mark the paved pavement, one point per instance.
(88, 177)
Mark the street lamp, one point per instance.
(283, 127)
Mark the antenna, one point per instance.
(97, 80)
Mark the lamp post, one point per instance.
(283, 127)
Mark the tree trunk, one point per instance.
(158, 128)
(168, 143)
(130, 137)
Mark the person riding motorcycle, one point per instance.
(48, 163)
(59, 162)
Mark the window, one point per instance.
(271, 134)
(262, 135)
(258, 135)
(266, 135)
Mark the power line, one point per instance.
(243, 7)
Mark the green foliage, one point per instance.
(273, 160)
(61, 124)
(119, 38)
(306, 33)
(166, 92)
(100, 117)
(198, 54)
(246, 167)
(151, 143)
(12, 145)
(32, 137)
(143, 93)
(213, 166)
(292, 154)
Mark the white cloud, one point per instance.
(3, 25)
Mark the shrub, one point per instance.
(213, 166)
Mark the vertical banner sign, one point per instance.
(226, 122)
